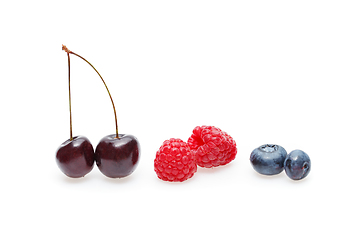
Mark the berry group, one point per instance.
(174, 161)
(116, 155)
(212, 147)
(271, 159)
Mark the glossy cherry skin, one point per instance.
(117, 157)
(75, 158)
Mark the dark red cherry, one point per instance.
(117, 157)
(75, 157)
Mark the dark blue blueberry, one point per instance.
(268, 159)
(297, 165)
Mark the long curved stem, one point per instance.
(107, 89)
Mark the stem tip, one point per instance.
(65, 48)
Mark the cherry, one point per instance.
(116, 155)
(75, 157)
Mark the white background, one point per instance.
(283, 72)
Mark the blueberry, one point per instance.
(268, 159)
(297, 165)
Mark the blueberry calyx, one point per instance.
(269, 147)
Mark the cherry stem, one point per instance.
(71, 136)
(67, 51)
(70, 52)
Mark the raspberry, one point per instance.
(212, 147)
(174, 161)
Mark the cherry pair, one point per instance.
(116, 155)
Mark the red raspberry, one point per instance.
(212, 147)
(174, 161)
